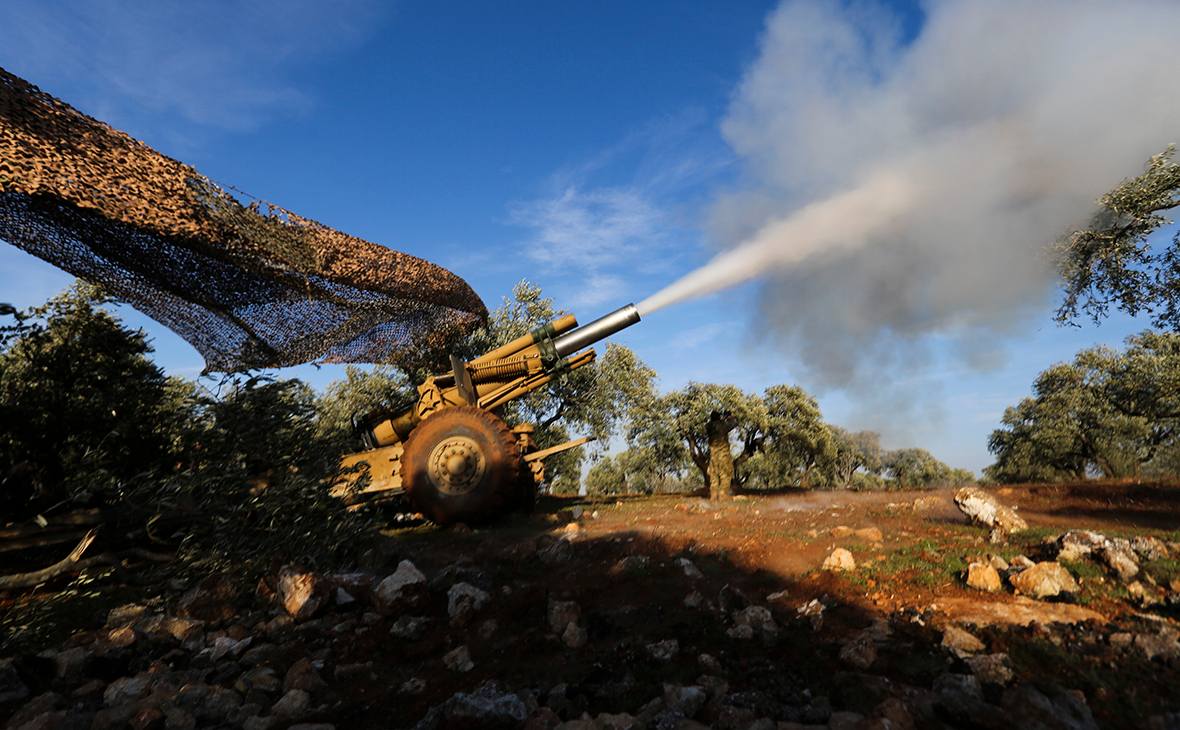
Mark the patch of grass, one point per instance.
(1163, 570)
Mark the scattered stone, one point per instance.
(413, 686)
(459, 660)
(1078, 544)
(487, 707)
(840, 532)
(663, 650)
(872, 534)
(925, 504)
(859, 653)
(960, 642)
(127, 689)
(561, 614)
(983, 507)
(813, 611)
(1150, 548)
(302, 593)
(126, 615)
(1019, 563)
(690, 570)
(687, 700)
(463, 602)
(991, 668)
(1044, 580)
(632, 564)
(840, 560)
(178, 719)
(304, 676)
(983, 577)
(753, 620)
(694, 600)
(293, 704)
(1029, 707)
(964, 684)
(1119, 557)
(556, 553)
(1163, 645)
(409, 627)
(845, 721)
(574, 636)
(405, 588)
(708, 662)
(210, 600)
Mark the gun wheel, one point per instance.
(461, 464)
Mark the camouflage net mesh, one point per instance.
(249, 286)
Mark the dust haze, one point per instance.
(902, 191)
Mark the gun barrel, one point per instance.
(597, 330)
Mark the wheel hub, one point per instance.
(456, 465)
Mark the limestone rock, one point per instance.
(983, 577)
(1029, 707)
(859, 653)
(464, 601)
(127, 689)
(958, 640)
(991, 668)
(1150, 548)
(558, 552)
(1043, 580)
(983, 507)
(663, 650)
(1077, 544)
(561, 614)
(303, 594)
(210, 600)
(293, 704)
(303, 676)
(409, 627)
(688, 700)
(405, 588)
(459, 660)
(690, 570)
(840, 560)
(1119, 557)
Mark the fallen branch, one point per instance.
(74, 563)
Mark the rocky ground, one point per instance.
(840, 610)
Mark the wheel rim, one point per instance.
(456, 465)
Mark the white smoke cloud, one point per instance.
(902, 189)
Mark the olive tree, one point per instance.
(84, 409)
(1108, 412)
(1111, 262)
(737, 439)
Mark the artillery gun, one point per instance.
(450, 452)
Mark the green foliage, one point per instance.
(857, 457)
(360, 391)
(779, 438)
(1107, 412)
(83, 407)
(1111, 263)
(918, 469)
(258, 471)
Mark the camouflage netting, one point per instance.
(249, 286)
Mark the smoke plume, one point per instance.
(904, 187)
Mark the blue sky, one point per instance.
(605, 150)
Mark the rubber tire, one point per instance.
(492, 496)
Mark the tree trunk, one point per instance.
(721, 470)
(805, 482)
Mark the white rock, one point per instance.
(404, 588)
(840, 560)
(979, 505)
(663, 650)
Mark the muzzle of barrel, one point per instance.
(596, 331)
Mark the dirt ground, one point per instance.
(620, 565)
